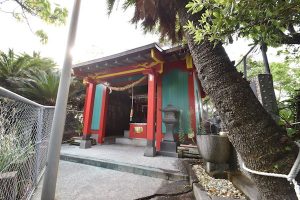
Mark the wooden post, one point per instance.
(88, 108)
(150, 150)
(158, 136)
(102, 122)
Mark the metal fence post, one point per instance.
(49, 185)
(245, 67)
(38, 143)
(264, 49)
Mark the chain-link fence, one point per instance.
(25, 127)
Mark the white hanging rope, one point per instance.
(131, 110)
(126, 87)
(290, 177)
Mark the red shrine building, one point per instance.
(125, 93)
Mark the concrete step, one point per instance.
(125, 167)
(134, 142)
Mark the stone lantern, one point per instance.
(168, 145)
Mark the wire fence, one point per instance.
(25, 128)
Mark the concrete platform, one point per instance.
(123, 154)
(125, 158)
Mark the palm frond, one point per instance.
(155, 15)
(110, 5)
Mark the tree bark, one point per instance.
(252, 131)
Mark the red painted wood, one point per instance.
(191, 93)
(179, 64)
(134, 134)
(94, 131)
(88, 108)
(159, 134)
(151, 106)
(102, 125)
(123, 69)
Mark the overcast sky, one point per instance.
(98, 35)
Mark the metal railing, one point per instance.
(25, 127)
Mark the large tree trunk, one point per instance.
(252, 131)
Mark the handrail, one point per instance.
(6, 93)
(245, 55)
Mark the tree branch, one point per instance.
(25, 7)
(291, 39)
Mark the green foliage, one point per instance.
(42, 9)
(14, 146)
(272, 22)
(40, 86)
(36, 78)
(42, 35)
(15, 66)
(155, 16)
(11, 151)
(286, 77)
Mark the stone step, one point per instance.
(125, 167)
(134, 142)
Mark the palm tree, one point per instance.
(253, 133)
(15, 66)
(11, 65)
(40, 86)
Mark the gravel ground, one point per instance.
(217, 187)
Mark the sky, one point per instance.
(98, 35)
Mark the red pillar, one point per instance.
(102, 123)
(150, 148)
(159, 135)
(191, 93)
(88, 108)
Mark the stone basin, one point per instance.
(214, 148)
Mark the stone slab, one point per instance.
(85, 144)
(124, 167)
(244, 184)
(168, 146)
(168, 154)
(150, 150)
(133, 155)
(134, 142)
(82, 182)
(109, 140)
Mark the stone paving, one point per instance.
(83, 182)
(124, 154)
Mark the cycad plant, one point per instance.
(40, 86)
(11, 65)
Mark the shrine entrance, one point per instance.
(127, 109)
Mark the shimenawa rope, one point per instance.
(290, 177)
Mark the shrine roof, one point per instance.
(129, 58)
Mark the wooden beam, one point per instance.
(150, 149)
(159, 134)
(151, 107)
(158, 58)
